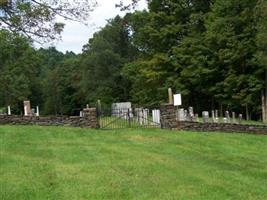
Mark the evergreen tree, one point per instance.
(102, 60)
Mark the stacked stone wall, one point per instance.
(169, 121)
(89, 120)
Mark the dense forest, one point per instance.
(213, 52)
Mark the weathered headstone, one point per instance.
(181, 114)
(205, 116)
(191, 113)
(27, 108)
(227, 116)
(196, 118)
(156, 117)
(233, 117)
(33, 111)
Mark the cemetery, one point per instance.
(124, 115)
(133, 100)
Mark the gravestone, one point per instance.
(213, 116)
(196, 119)
(233, 117)
(181, 115)
(156, 117)
(191, 113)
(216, 116)
(139, 115)
(227, 116)
(8, 110)
(205, 116)
(121, 109)
(37, 111)
(27, 108)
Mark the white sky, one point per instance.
(75, 35)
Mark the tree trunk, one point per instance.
(221, 110)
(263, 104)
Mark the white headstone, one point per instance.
(37, 111)
(156, 116)
(205, 116)
(121, 109)
(8, 110)
(25, 111)
(177, 99)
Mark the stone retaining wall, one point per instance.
(88, 121)
(168, 121)
(222, 127)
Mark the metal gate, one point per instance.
(109, 118)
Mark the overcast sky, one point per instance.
(76, 35)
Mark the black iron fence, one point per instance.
(110, 118)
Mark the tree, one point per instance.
(60, 87)
(261, 16)
(231, 37)
(40, 19)
(19, 71)
(169, 38)
(102, 60)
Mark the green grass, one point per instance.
(71, 163)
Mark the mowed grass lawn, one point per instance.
(73, 163)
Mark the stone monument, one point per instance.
(205, 116)
(181, 115)
(27, 108)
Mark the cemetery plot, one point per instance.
(122, 115)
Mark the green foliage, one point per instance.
(213, 52)
(102, 60)
(39, 19)
(19, 70)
